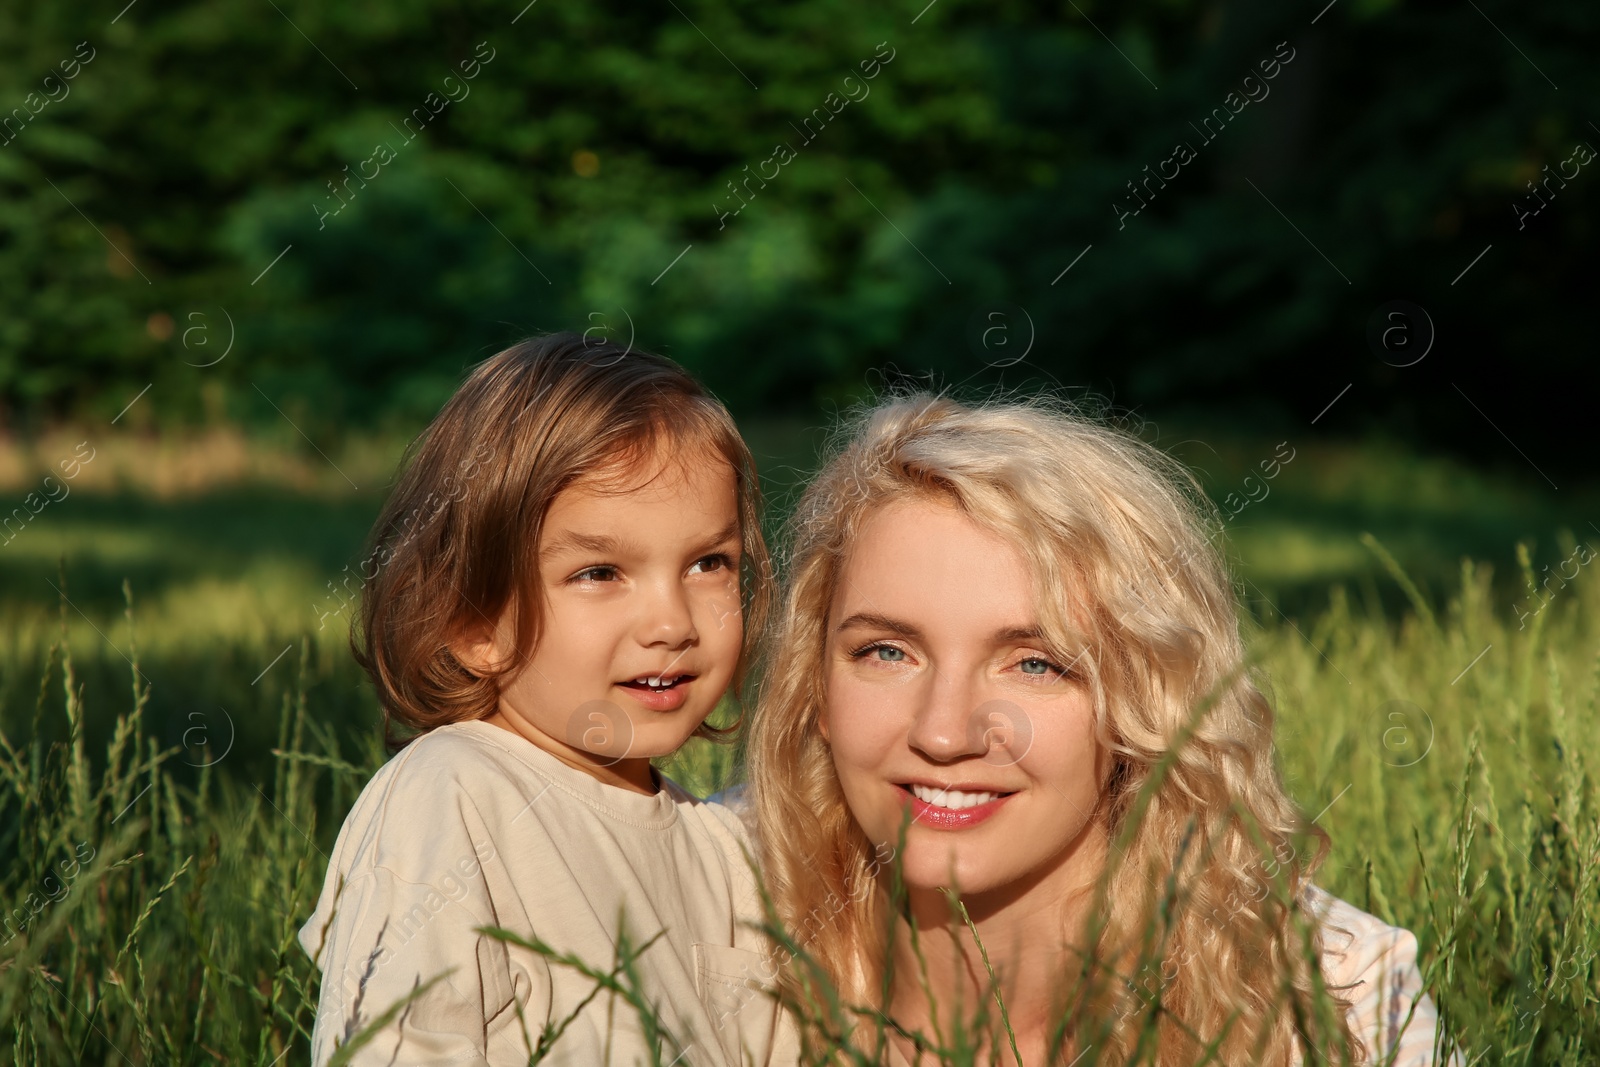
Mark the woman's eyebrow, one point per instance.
(874, 621)
(871, 620)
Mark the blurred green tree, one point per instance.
(617, 168)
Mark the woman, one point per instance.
(1015, 788)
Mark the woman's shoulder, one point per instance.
(1373, 965)
(1354, 941)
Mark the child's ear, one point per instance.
(478, 649)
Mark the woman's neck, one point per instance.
(1031, 933)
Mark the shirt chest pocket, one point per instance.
(732, 983)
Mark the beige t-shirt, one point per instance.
(1374, 966)
(471, 825)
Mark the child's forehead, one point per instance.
(663, 468)
(661, 497)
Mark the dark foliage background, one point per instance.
(600, 140)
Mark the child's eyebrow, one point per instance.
(575, 541)
(605, 544)
(728, 533)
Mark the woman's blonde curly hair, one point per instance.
(1202, 897)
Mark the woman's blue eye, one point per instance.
(1035, 665)
(890, 654)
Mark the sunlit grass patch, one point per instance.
(154, 898)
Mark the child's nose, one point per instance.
(667, 618)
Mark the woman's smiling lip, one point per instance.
(932, 813)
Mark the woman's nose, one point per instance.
(942, 728)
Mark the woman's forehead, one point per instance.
(926, 558)
(925, 555)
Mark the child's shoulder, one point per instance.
(735, 808)
(729, 816)
(448, 783)
(718, 811)
(449, 759)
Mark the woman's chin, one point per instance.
(928, 871)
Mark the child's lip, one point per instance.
(666, 698)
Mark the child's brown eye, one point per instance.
(596, 574)
(715, 562)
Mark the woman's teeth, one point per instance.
(954, 799)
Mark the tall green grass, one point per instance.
(154, 883)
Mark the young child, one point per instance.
(562, 578)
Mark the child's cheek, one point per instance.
(724, 636)
(727, 612)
